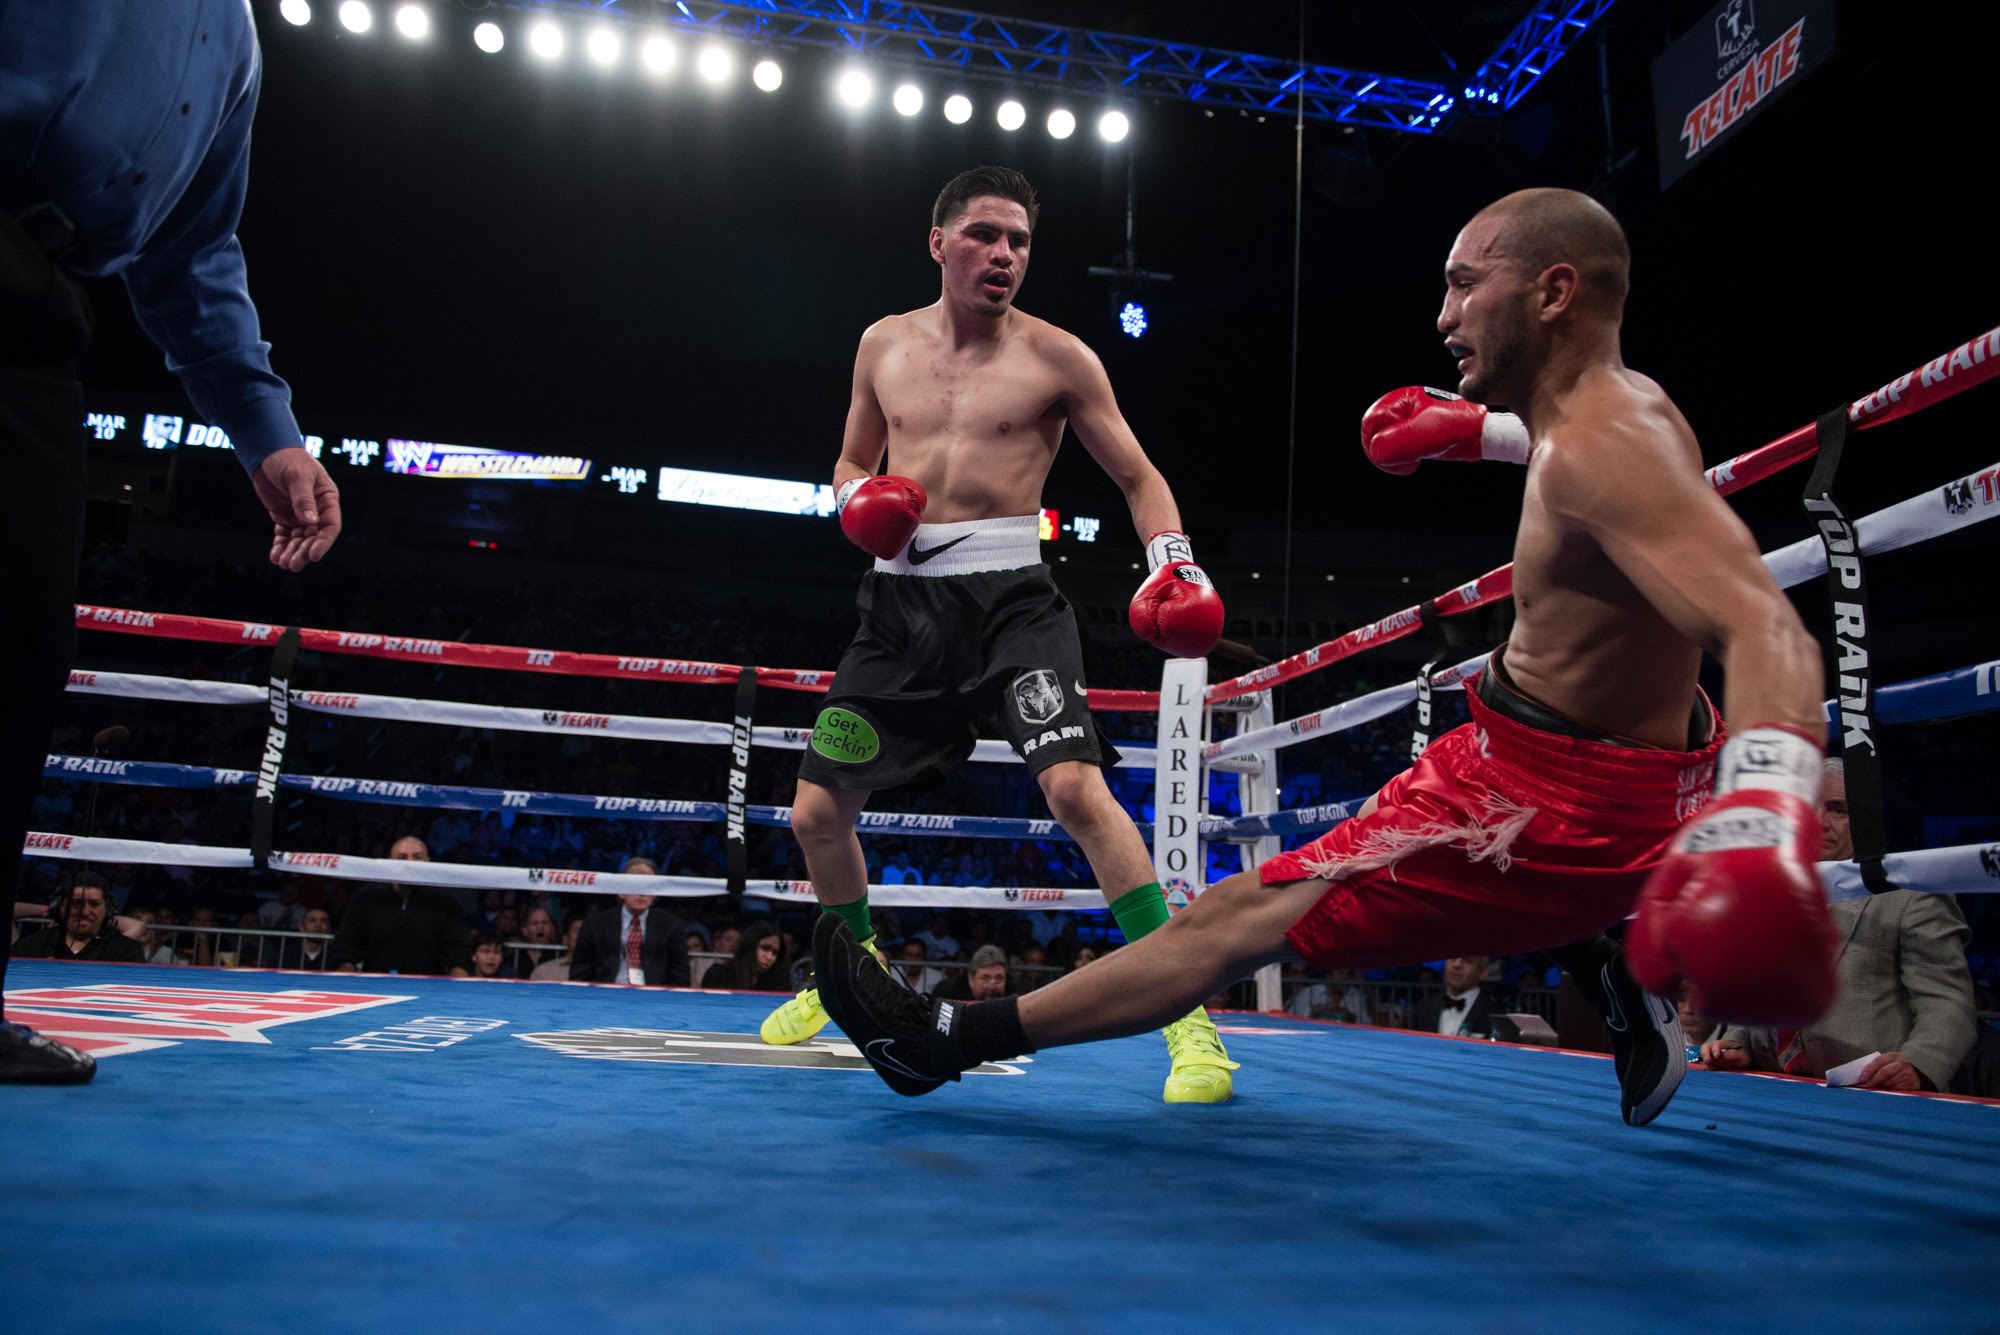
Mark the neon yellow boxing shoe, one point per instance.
(1201, 1067)
(802, 1017)
(795, 1021)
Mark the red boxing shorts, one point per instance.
(1504, 837)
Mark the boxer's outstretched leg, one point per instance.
(917, 1043)
(823, 823)
(1235, 928)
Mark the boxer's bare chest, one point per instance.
(929, 392)
(973, 416)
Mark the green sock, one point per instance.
(1140, 911)
(855, 915)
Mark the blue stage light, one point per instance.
(1132, 318)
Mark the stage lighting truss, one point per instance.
(1023, 54)
(1071, 63)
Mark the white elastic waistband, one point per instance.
(969, 547)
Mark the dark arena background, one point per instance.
(574, 334)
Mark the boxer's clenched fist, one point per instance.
(1406, 426)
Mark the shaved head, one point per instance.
(1540, 228)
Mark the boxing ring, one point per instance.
(660, 1163)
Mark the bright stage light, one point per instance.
(1132, 319)
(546, 40)
(1062, 124)
(1113, 126)
(295, 12)
(656, 53)
(767, 76)
(958, 109)
(602, 46)
(356, 17)
(489, 38)
(1012, 115)
(414, 22)
(714, 63)
(854, 88)
(909, 99)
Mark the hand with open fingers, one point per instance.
(1890, 1070)
(304, 506)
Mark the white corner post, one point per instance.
(1177, 797)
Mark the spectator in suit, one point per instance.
(759, 965)
(986, 980)
(302, 953)
(640, 929)
(557, 969)
(1905, 993)
(1465, 1007)
(399, 928)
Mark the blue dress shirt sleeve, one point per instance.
(191, 295)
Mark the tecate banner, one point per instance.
(1729, 67)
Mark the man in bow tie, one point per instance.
(1465, 1010)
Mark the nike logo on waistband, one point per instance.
(919, 555)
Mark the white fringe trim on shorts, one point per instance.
(1487, 838)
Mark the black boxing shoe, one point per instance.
(26, 1058)
(909, 1039)
(1648, 1047)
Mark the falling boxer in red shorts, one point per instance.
(1594, 775)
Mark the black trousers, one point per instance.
(44, 328)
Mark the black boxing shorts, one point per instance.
(965, 630)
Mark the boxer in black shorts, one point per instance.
(961, 626)
(975, 637)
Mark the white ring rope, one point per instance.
(473, 876)
(507, 718)
(1968, 869)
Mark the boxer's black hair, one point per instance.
(967, 186)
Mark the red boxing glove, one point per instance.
(880, 514)
(1406, 426)
(1176, 610)
(1736, 907)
